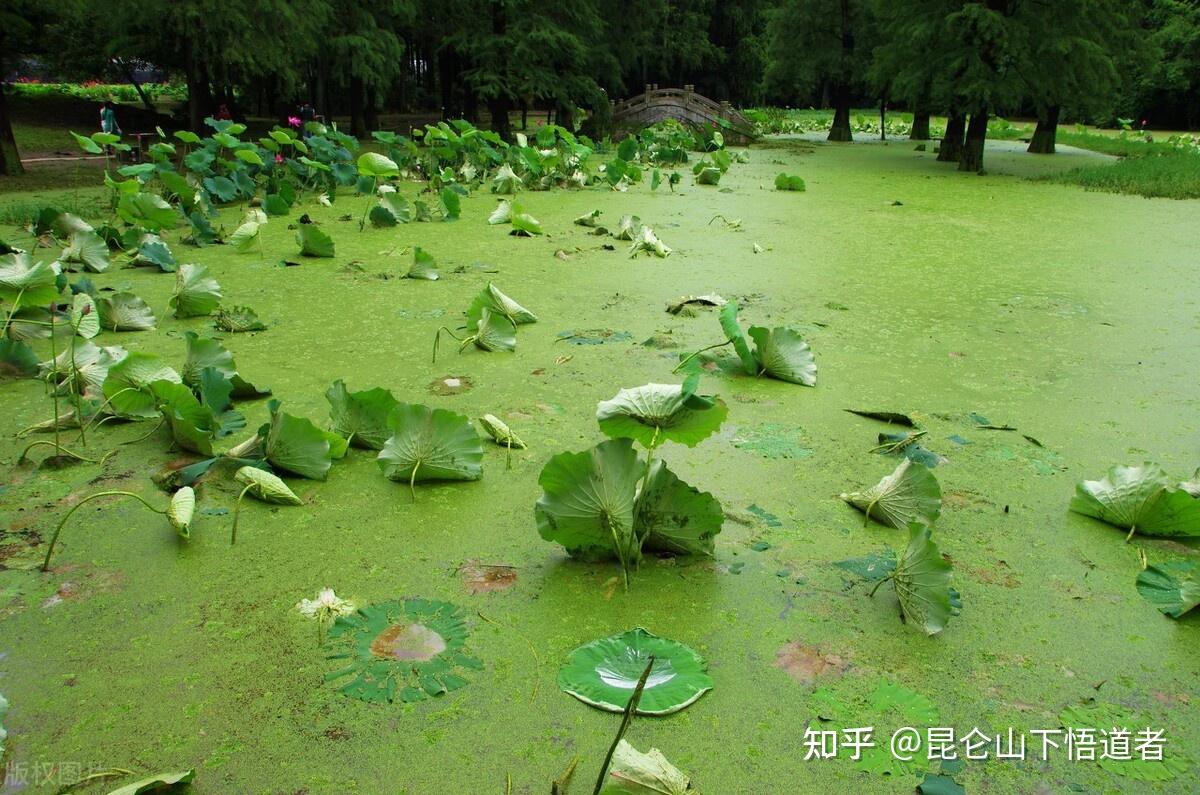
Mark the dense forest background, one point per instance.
(1067, 60)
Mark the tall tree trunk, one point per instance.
(499, 107)
(920, 125)
(358, 127)
(952, 142)
(10, 159)
(320, 90)
(971, 157)
(840, 131)
(446, 77)
(883, 118)
(371, 111)
(199, 95)
(524, 113)
(1042, 142)
(565, 117)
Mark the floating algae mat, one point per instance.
(142, 650)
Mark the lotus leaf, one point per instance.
(909, 494)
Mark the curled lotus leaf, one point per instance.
(266, 486)
(605, 672)
(922, 579)
(492, 298)
(784, 355)
(1142, 500)
(635, 773)
(181, 510)
(430, 444)
(127, 384)
(1174, 588)
(909, 494)
(361, 417)
(500, 432)
(124, 311)
(196, 292)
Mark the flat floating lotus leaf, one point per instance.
(266, 486)
(911, 493)
(1140, 499)
(498, 303)
(655, 413)
(24, 283)
(127, 384)
(604, 673)
(635, 773)
(922, 580)
(361, 417)
(196, 293)
(125, 312)
(406, 650)
(156, 783)
(181, 510)
(1174, 588)
(784, 355)
(430, 444)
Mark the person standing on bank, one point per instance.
(108, 119)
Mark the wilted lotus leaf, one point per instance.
(424, 266)
(709, 175)
(24, 283)
(506, 181)
(405, 650)
(1141, 499)
(647, 241)
(911, 493)
(494, 332)
(239, 319)
(483, 578)
(493, 299)
(430, 444)
(655, 413)
(784, 355)
(502, 214)
(590, 220)
(733, 332)
(87, 249)
(604, 673)
(806, 664)
(125, 312)
(922, 580)
(196, 293)
(1174, 588)
(524, 224)
(628, 227)
(635, 773)
(712, 299)
(361, 417)
(500, 432)
(181, 510)
(266, 486)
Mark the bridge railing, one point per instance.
(684, 98)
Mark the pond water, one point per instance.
(1071, 316)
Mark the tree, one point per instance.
(1169, 82)
(20, 33)
(821, 43)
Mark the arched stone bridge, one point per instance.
(684, 105)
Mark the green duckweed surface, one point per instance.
(1071, 316)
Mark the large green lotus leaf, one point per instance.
(266, 486)
(784, 355)
(922, 580)
(192, 423)
(205, 352)
(493, 299)
(733, 332)
(84, 369)
(395, 205)
(451, 203)
(1140, 499)
(495, 333)
(430, 444)
(124, 311)
(17, 359)
(424, 266)
(522, 222)
(635, 773)
(1174, 588)
(588, 502)
(910, 494)
(24, 283)
(85, 319)
(127, 384)
(313, 242)
(89, 250)
(873, 567)
(655, 413)
(672, 516)
(147, 210)
(605, 672)
(295, 445)
(361, 417)
(157, 783)
(196, 293)
(153, 250)
(373, 164)
(214, 389)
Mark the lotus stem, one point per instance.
(237, 507)
(1132, 530)
(76, 396)
(867, 512)
(146, 436)
(362, 224)
(12, 312)
(61, 449)
(78, 505)
(508, 454)
(412, 483)
(871, 595)
(54, 392)
(107, 402)
(559, 785)
(630, 710)
(697, 353)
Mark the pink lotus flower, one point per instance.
(278, 158)
(293, 121)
